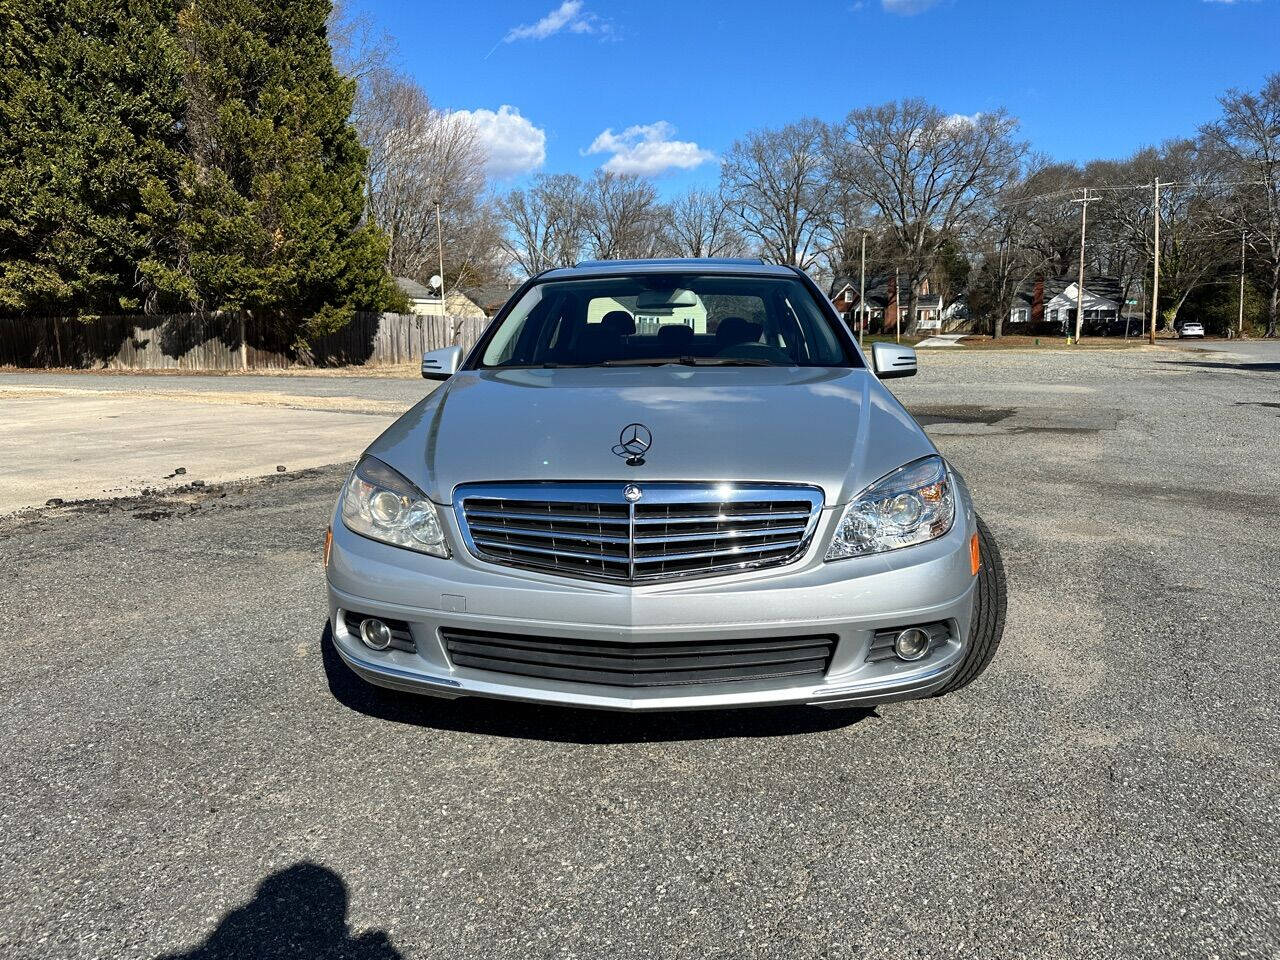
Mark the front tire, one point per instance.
(989, 609)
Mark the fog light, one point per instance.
(377, 635)
(911, 644)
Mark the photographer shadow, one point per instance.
(299, 913)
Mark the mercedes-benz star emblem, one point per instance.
(634, 442)
(631, 493)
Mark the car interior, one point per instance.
(575, 327)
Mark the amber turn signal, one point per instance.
(975, 557)
(328, 545)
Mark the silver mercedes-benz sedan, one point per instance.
(658, 485)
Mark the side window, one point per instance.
(515, 331)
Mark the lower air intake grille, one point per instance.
(641, 665)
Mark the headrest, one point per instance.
(596, 342)
(734, 330)
(620, 322)
(675, 336)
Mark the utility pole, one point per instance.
(897, 307)
(862, 292)
(1242, 235)
(1155, 282)
(1084, 210)
(440, 250)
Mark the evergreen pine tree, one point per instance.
(89, 119)
(268, 214)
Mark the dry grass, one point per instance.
(1050, 343)
(404, 371)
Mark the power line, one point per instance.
(1130, 188)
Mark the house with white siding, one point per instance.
(1052, 302)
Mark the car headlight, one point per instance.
(380, 504)
(914, 504)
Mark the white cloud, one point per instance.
(568, 16)
(511, 143)
(648, 150)
(906, 8)
(963, 119)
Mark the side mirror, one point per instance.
(441, 364)
(892, 360)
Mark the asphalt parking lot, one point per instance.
(189, 772)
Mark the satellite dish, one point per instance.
(435, 281)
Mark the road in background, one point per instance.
(77, 436)
(188, 765)
(1245, 351)
(397, 384)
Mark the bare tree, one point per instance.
(529, 231)
(925, 173)
(1248, 133)
(545, 224)
(387, 105)
(845, 222)
(1013, 243)
(701, 226)
(624, 217)
(361, 51)
(776, 183)
(1193, 244)
(419, 157)
(1054, 233)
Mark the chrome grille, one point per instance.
(674, 530)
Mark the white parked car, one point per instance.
(1191, 329)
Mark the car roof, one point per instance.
(721, 265)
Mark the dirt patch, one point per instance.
(155, 505)
(929, 416)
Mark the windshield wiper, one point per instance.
(687, 362)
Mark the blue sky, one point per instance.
(663, 87)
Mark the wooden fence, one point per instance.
(223, 342)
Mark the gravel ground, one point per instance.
(189, 772)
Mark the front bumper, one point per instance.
(851, 599)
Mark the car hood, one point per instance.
(838, 429)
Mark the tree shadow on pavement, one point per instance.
(1252, 367)
(299, 913)
(501, 718)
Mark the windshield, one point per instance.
(655, 319)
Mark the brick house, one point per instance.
(884, 308)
